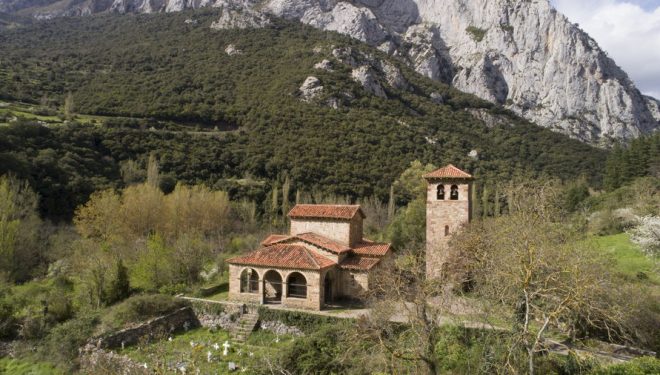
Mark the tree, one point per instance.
(19, 229)
(401, 293)
(540, 270)
(69, 107)
(647, 235)
(411, 185)
(120, 287)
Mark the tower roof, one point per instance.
(450, 171)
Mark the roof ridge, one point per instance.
(307, 251)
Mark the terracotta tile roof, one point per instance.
(325, 211)
(358, 263)
(274, 238)
(284, 256)
(449, 171)
(373, 249)
(326, 243)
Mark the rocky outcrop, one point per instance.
(523, 55)
(231, 50)
(393, 75)
(324, 65)
(240, 19)
(310, 89)
(366, 77)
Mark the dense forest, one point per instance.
(236, 122)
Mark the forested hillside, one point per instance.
(164, 74)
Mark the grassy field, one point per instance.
(201, 351)
(631, 263)
(12, 366)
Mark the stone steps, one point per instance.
(244, 327)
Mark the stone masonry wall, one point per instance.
(183, 318)
(354, 284)
(440, 215)
(337, 230)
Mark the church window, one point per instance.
(453, 195)
(446, 230)
(441, 192)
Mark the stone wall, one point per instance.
(444, 218)
(94, 361)
(338, 230)
(354, 284)
(181, 319)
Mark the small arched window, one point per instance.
(297, 285)
(453, 195)
(446, 230)
(441, 192)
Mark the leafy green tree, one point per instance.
(120, 287)
(19, 229)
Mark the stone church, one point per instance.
(325, 258)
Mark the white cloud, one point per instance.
(629, 30)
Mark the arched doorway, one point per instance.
(327, 290)
(272, 287)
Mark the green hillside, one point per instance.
(234, 122)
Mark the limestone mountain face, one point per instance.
(521, 54)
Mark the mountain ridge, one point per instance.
(523, 55)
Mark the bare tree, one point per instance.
(405, 313)
(540, 270)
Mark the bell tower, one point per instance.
(448, 208)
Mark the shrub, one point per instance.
(319, 353)
(638, 366)
(7, 320)
(308, 323)
(647, 235)
(139, 308)
(476, 33)
(62, 343)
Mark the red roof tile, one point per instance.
(274, 238)
(284, 256)
(325, 211)
(325, 243)
(449, 171)
(359, 263)
(368, 248)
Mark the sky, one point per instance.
(629, 30)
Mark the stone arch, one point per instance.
(453, 195)
(272, 287)
(249, 281)
(296, 285)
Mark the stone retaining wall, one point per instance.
(182, 319)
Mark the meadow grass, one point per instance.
(24, 367)
(191, 350)
(630, 261)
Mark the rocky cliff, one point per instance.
(521, 54)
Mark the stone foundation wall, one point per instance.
(181, 319)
